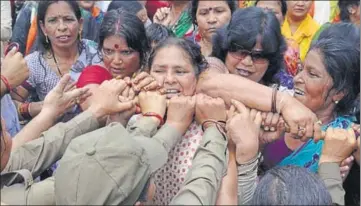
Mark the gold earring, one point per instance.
(336, 102)
(46, 39)
(80, 35)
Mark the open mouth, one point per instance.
(299, 92)
(171, 93)
(244, 73)
(63, 38)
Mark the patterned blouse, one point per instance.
(42, 78)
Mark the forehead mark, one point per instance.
(116, 46)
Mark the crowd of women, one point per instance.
(256, 105)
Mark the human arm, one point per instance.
(338, 145)
(257, 96)
(14, 71)
(58, 100)
(6, 20)
(227, 194)
(243, 128)
(39, 154)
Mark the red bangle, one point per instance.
(153, 114)
(6, 82)
(24, 110)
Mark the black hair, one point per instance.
(194, 8)
(191, 49)
(157, 33)
(43, 6)
(42, 45)
(127, 25)
(283, 6)
(339, 46)
(241, 33)
(291, 185)
(344, 6)
(130, 6)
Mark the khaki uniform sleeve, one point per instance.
(330, 174)
(247, 182)
(168, 136)
(145, 126)
(39, 193)
(38, 155)
(204, 178)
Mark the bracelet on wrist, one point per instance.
(6, 83)
(153, 114)
(274, 98)
(220, 125)
(23, 110)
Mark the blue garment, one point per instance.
(10, 115)
(308, 154)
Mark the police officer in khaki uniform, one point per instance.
(28, 161)
(111, 166)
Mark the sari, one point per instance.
(309, 154)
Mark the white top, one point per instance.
(103, 5)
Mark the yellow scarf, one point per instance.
(303, 35)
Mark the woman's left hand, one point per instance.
(144, 81)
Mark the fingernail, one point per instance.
(266, 128)
(272, 129)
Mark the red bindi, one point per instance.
(116, 46)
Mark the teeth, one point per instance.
(244, 72)
(172, 91)
(299, 92)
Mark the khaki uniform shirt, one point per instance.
(208, 166)
(30, 160)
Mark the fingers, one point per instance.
(239, 107)
(274, 122)
(131, 94)
(146, 84)
(139, 77)
(62, 83)
(119, 85)
(352, 137)
(317, 132)
(347, 161)
(76, 93)
(258, 119)
(125, 92)
(12, 52)
(253, 114)
(268, 121)
(123, 106)
(70, 86)
(231, 112)
(83, 97)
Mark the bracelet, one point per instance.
(258, 158)
(153, 114)
(274, 96)
(280, 103)
(23, 110)
(251, 161)
(221, 126)
(6, 82)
